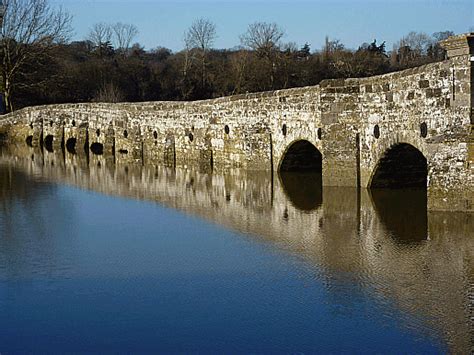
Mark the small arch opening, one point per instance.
(97, 132)
(73, 123)
(48, 143)
(97, 148)
(423, 130)
(320, 133)
(29, 141)
(302, 156)
(51, 123)
(284, 130)
(125, 134)
(226, 129)
(402, 166)
(155, 134)
(377, 131)
(191, 137)
(71, 145)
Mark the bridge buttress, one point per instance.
(340, 118)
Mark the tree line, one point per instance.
(40, 65)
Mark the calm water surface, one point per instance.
(120, 258)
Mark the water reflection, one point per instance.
(403, 212)
(385, 241)
(304, 190)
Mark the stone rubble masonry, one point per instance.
(339, 117)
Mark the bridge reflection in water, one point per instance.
(385, 240)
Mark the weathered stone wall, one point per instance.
(352, 122)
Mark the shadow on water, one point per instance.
(403, 212)
(303, 189)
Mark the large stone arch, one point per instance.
(375, 151)
(301, 155)
(400, 165)
(300, 167)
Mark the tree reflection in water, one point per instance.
(19, 191)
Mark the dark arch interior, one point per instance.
(401, 166)
(71, 145)
(48, 143)
(97, 148)
(29, 141)
(302, 156)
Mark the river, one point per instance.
(106, 257)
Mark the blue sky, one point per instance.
(162, 23)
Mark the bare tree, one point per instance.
(201, 36)
(109, 92)
(413, 49)
(331, 48)
(123, 35)
(442, 35)
(418, 42)
(101, 36)
(187, 63)
(30, 30)
(238, 64)
(264, 38)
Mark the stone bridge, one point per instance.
(406, 129)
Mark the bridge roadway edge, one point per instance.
(352, 122)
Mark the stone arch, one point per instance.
(401, 165)
(301, 155)
(71, 145)
(48, 143)
(97, 148)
